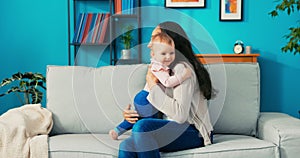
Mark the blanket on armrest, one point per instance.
(24, 132)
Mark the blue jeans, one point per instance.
(143, 108)
(151, 136)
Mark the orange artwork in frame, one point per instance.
(231, 10)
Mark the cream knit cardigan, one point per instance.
(187, 104)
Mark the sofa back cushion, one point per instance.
(91, 100)
(235, 109)
(85, 99)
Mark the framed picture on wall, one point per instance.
(185, 3)
(231, 10)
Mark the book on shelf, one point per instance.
(78, 27)
(87, 27)
(118, 6)
(104, 28)
(95, 31)
(124, 6)
(91, 28)
(82, 29)
(100, 28)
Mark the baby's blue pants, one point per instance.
(144, 109)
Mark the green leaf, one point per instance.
(17, 76)
(39, 76)
(28, 75)
(36, 95)
(6, 82)
(13, 89)
(41, 84)
(273, 13)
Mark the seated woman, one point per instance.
(162, 55)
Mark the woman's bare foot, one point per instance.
(113, 134)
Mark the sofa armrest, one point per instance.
(282, 130)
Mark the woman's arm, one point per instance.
(177, 107)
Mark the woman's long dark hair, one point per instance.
(183, 46)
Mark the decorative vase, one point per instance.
(126, 54)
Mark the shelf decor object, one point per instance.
(185, 3)
(231, 10)
(126, 39)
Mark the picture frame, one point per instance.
(185, 3)
(231, 10)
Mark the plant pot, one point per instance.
(125, 54)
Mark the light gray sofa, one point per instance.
(88, 102)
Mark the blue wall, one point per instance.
(33, 34)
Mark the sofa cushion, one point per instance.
(101, 145)
(235, 109)
(85, 99)
(83, 145)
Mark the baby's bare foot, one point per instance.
(113, 134)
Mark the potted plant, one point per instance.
(127, 38)
(29, 84)
(289, 6)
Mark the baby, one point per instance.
(162, 55)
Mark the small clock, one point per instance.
(238, 47)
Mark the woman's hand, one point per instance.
(130, 115)
(151, 79)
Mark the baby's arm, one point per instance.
(172, 81)
(187, 73)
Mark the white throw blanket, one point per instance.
(24, 132)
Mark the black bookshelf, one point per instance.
(73, 12)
